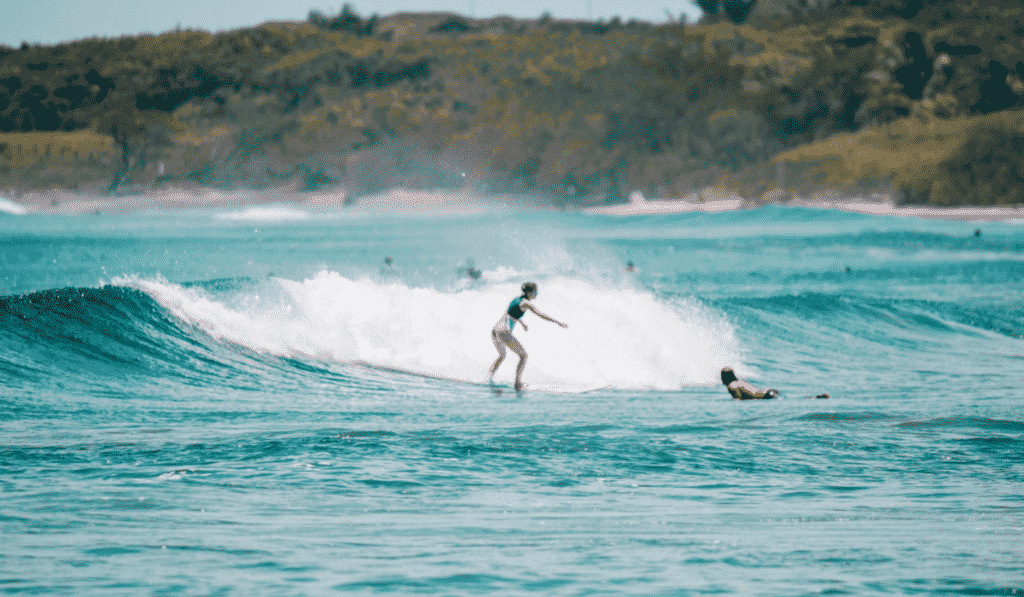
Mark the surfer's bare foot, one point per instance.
(520, 386)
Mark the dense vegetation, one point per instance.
(584, 112)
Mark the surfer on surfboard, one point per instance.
(744, 390)
(501, 333)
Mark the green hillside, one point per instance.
(581, 112)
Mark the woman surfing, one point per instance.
(501, 333)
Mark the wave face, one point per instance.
(201, 332)
(218, 331)
(188, 395)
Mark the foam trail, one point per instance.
(618, 337)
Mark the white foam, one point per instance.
(618, 337)
(638, 205)
(172, 476)
(10, 207)
(266, 213)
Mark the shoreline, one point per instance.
(61, 202)
(887, 208)
(712, 200)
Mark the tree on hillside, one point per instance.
(137, 133)
(735, 10)
(347, 20)
(781, 14)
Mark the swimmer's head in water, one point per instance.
(728, 376)
(529, 288)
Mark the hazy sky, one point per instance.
(49, 21)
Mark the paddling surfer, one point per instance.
(501, 333)
(744, 390)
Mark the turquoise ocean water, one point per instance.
(248, 401)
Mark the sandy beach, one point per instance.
(58, 201)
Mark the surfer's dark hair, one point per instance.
(529, 287)
(728, 376)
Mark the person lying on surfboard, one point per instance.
(501, 333)
(744, 390)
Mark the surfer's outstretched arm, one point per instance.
(529, 307)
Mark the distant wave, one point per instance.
(865, 316)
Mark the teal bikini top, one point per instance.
(515, 311)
